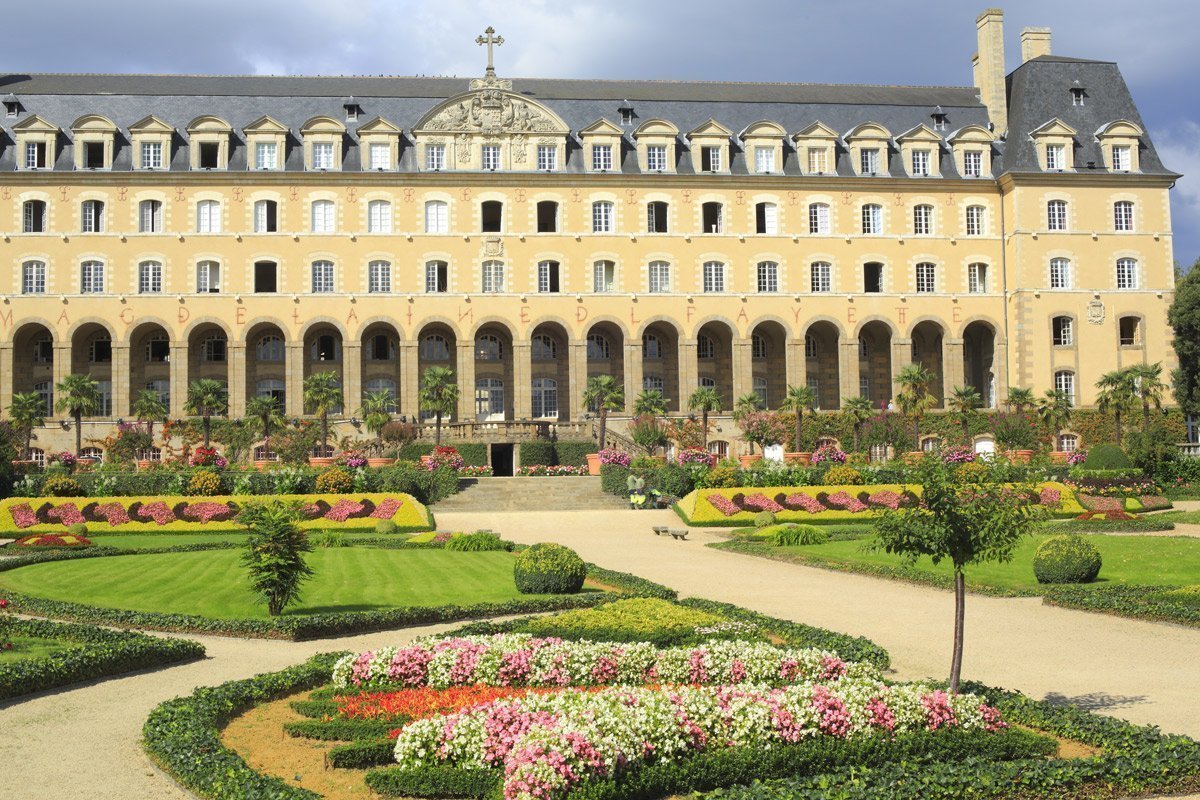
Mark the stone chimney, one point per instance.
(989, 68)
(1034, 42)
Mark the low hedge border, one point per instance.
(102, 653)
(1138, 525)
(324, 626)
(183, 736)
(340, 730)
(362, 754)
(1139, 602)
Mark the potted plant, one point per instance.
(1016, 432)
(649, 434)
(322, 394)
(799, 399)
(763, 428)
(604, 394)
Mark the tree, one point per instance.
(648, 433)
(149, 407)
(857, 410)
(964, 523)
(1116, 396)
(1018, 399)
(28, 411)
(206, 397)
(1055, 411)
(964, 404)
(1147, 378)
(322, 394)
(650, 401)
(799, 399)
(743, 407)
(79, 396)
(377, 412)
(604, 394)
(265, 410)
(275, 552)
(707, 401)
(438, 395)
(914, 399)
(1184, 316)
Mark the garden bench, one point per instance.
(659, 530)
(678, 534)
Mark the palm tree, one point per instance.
(1019, 398)
(747, 404)
(1150, 389)
(1118, 393)
(206, 397)
(707, 401)
(323, 393)
(964, 404)
(377, 411)
(604, 394)
(149, 407)
(265, 409)
(28, 411)
(1055, 410)
(438, 395)
(799, 399)
(858, 410)
(650, 401)
(914, 398)
(79, 396)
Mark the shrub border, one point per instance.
(104, 653)
(1136, 602)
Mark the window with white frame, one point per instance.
(653, 382)
(92, 216)
(208, 277)
(758, 346)
(706, 349)
(864, 347)
(548, 277)
(544, 398)
(208, 216)
(91, 277)
(547, 157)
(33, 277)
(212, 349)
(972, 163)
(1127, 273)
(434, 347)
(435, 156)
(821, 280)
(1056, 215)
(150, 216)
(491, 156)
(379, 277)
(34, 216)
(818, 219)
(379, 216)
(810, 346)
(652, 348)
(1123, 216)
(764, 159)
(660, 277)
(923, 220)
(437, 216)
(266, 155)
(150, 278)
(975, 220)
(872, 219)
(100, 349)
(104, 389)
(1064, 381)
(1121, 158)
(379, 156)
(920, 162)
(322, 216)
(713, 276)
(488, 347)
(656, 217)
(602, 216)
(543, 348)
(868, 161)
(493, 276)
(712, 217)
(818, 161)
(437, 277)
(1062, 331)
(926, 275)
(1068, 443)
(768, 277)
(766, 218)
(152, 155)
(266, 216)
(656, 157)
(322, 277)
(604, 277)
(710, 159)
(270, 348)
(597, 347)
(602, 157)
(1060, 273)
(1056, 156)
(977, 278)
(322, 155)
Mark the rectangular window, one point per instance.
(660, 277)
(868, 161)
(973, 163)
(922, 220)
(208, 216)
(1060, 274)
(322, 277)
(872, 277)
(1063, 331)
(818, 219)
(604, 276)
(548, 277)
(210, 153)
(322, 216)
(436, 277)
(656, 157)
(1055, 156)
(152, 155)
(1065, 383)
(1123, 216)
(977, 278)
(764, 159)
(380, 156)
(974, 220)
(266, 155)
(493, 276)
(322, 155)
(379, 216)
(602, 157)
(926, 278)
(149, 278)
(818, 161)
(714, 277)
(379, 277)
(491, 156)
(1056, 215)
(208, 277)
(1122, 161)
(822, 277)
(266, 277)
(35, 155)
(872, 219)
(93, 155)
(34, 216)
(547, 216)
(91, 279)
(656, 217)
(602, 217)
(547, 157)
(437, 217)
(266, 217)
(435, 156)
(768, 277)
(864, 387)
(1127, 277)
(710, 159)
(766, 219)
(150, 216)
(33, 277)
(920, 162)
(92, 213)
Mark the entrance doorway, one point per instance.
(502, 460)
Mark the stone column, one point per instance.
(466, 381)
(179, 378)
(294, 379)
(688, 380)
(6, 375)
(351, 377)
(410, 381)
(953, 371)
(1000, 370)
(743, 367)
(62, 367)
(522, 355)
(121, 400)
(577, 369)
(633, 373)
(901, 358)
(237, 379)
(795, 363)
(848, 368)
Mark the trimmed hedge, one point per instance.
(549, 568)
(1156, 603)
(338, 729)
(101, 653)
(1136, 525)
(362, 754)
(573, 452)
(537, 452)
(1066, 559)
(433, 782)
(473, 455)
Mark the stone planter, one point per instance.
(660, 459)
(143, 463)
(1022, 456)
(24, 466)
(321, 461)
(380, 462)
(593, 463)
(1059, 457)
(264, 463)
(802, 458)
(748, 461)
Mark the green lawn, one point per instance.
(33, 647)
(1180, 517)
(214, 583)
(1147, 560)
(145, 541)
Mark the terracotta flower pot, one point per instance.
(803, 458)
(914, 456)
(320, 461)
(1059, 457)
(593, 463)
(143, 463)
(380, 462)
(426, 461)
(263, 463)
(748, 461)
(1022, 456)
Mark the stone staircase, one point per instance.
(530, 494)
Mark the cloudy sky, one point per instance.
(851, 41)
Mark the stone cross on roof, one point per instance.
(489, 39)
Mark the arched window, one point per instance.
(491, 216)
(1063, 329)
(92, 217)
(488, 348)
(269, 348)
(208, 277)
(923, 220)
(326, 347)
(1060, 273)
(208, 216)
(977, 278)
(758, 346)
(38, 456)
(212, 349)
(1127, 273)
(712, 218)
(150, 216)
(1056, 215)
(435, 348)
(656, 217)
(651, 347)
(1130, 331)
(707, 383)
(766, 218)
(272, 387)
(381, 385)
(437, 216)
(543, 348)
(33, 216)
(930, 443)
(1068, 443)
(705, 347)
(545, 398)
(864, 347)
(266, 216)
(1064, 381)
(322, 216)
(379, 216)
(597, 347)
(100, 349)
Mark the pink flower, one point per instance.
(343, 509)
(832, 668)
(1050, 497)
(387, 508)
(158, 511)
(723, 504)
(834, 718)
(23, 515)
(801, 501)
(409, 666)
(760, 502)
(886, 498)
(206, 512)
(847, 501)
(881, 715)
(67, 514)
(938, 713)
(113, 512)
(991, 718)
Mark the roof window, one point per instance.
(1078, 93)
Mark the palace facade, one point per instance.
(531, 233)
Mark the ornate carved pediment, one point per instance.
(491, 107)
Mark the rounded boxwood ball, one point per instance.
(1066, 559)
(548, 568)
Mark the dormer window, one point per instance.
(920, 163)
(95, 139)
(602, 157)
(12, 106)
(626, 113)
(353, 110)
(1120, 158)
(323, 143)
(1055, 156)
(208, 143)
(940, 122)
(869, 161)
(1078, 94)
(491, 157)
(710, 159)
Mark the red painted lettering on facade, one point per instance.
(6, 316)
(184, 315)
(633, 320)
(956, 314)
(524, 315)
(352, 316)
(851, 315)
(127, 316)
(581, 313)
(468, 315)
(901, 314)
(63, 318)
(296, 316)
(240, 315)
(743, 316)
(691, 312)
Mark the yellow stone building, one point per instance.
(531, 233)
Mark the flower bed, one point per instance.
(551, 470)
(820, 504)
(131, 514)
(53, 540)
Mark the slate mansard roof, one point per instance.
(1039, 91)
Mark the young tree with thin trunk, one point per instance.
(322, 394)
(28, 411)
(604, 394)
(206, 397)
(79, 396)
(376, 411)
(707, 401)
(149, 408)
(1117, 395)
(265, 411)
(1055, 410)
(744, 406)
(439, 396)
(964, 404)
(799, 399)
(858, 410)
(1147, 378)
(275, 552)
(914, 399)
